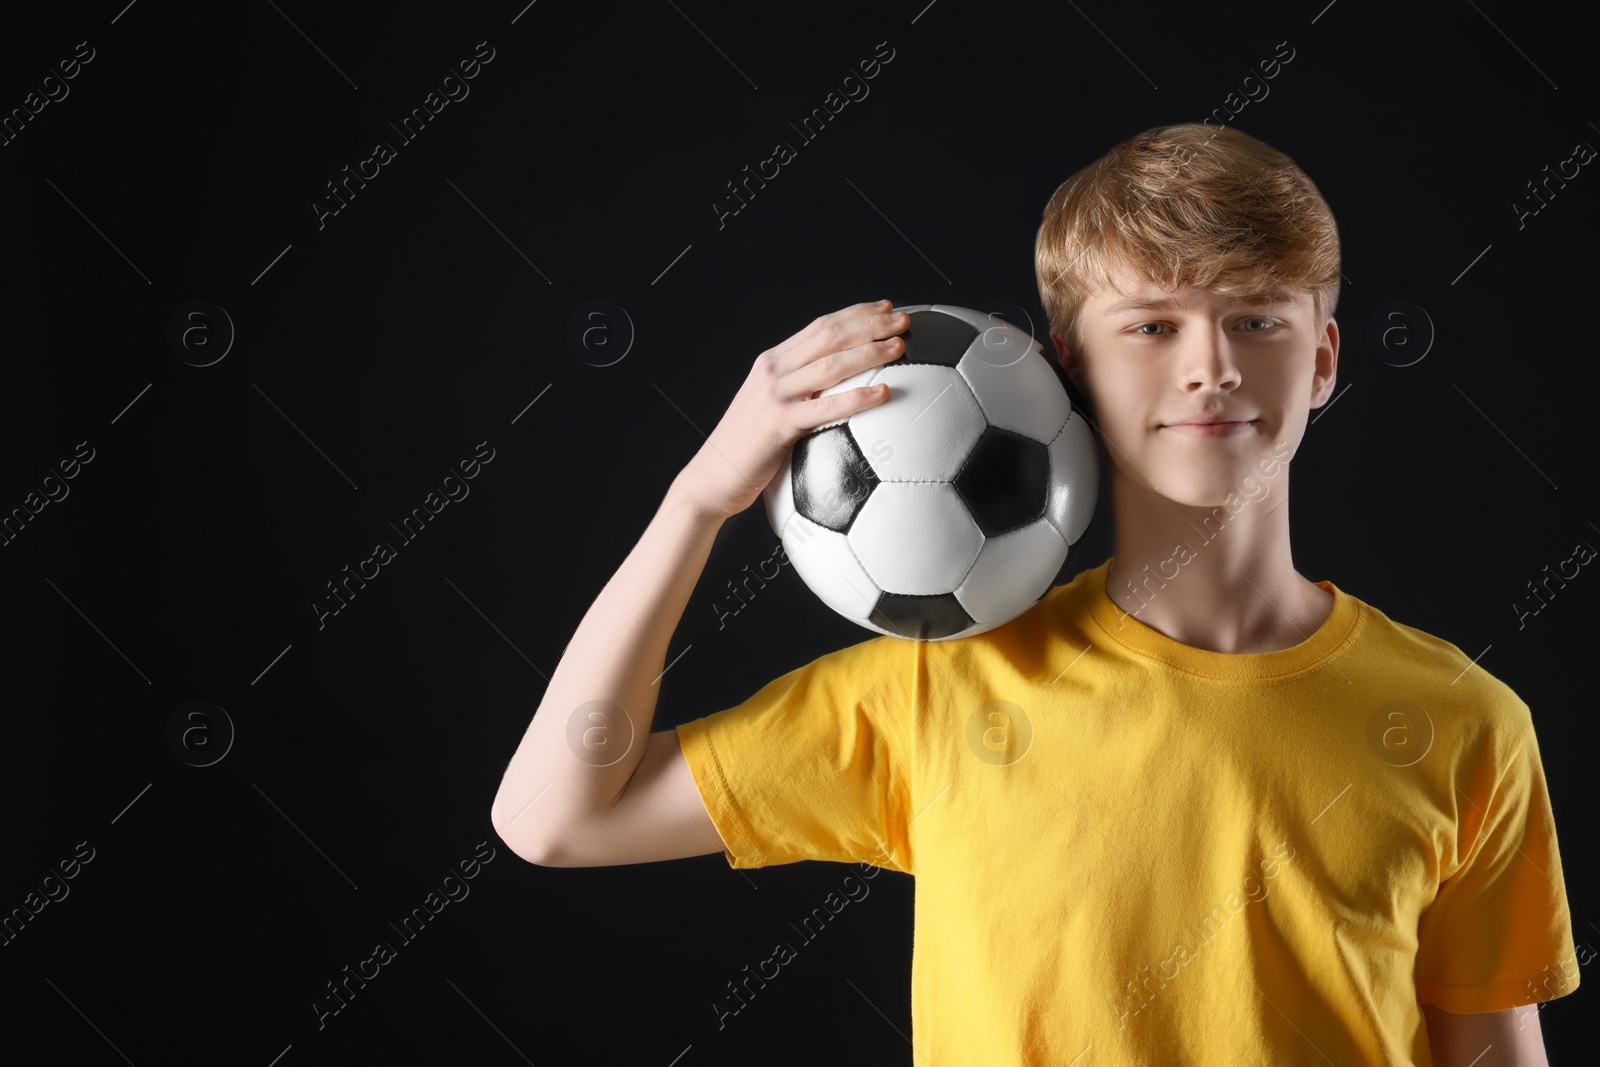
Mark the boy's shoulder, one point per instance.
(1436, 674)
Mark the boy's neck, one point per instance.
(1220, 579)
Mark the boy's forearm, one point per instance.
(611, 665)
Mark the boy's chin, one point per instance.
(1199, 494)
(1196, 488)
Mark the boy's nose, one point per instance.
(1207, 362)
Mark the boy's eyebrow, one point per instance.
(1266, 298)
(1164, 303)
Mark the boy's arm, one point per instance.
(1509, 1038)
(565, 797)
(563, 777)
(659, 816)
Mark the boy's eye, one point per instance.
(1266, 323)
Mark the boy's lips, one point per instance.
(1211, 428)
(1207, 419)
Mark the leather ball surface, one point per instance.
(954, 505)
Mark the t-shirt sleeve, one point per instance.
(815, 764)
(1499, 933)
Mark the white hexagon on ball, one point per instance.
(929, 423)
(915, 538)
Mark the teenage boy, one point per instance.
(1192, 807)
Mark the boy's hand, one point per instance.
(778, 403)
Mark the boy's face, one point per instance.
(1150, 370)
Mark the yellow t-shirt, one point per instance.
(1161, 853)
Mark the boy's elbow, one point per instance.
(521, 840)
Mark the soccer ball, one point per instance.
(956, 504)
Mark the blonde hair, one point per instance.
(1186, 204)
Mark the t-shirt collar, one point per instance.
(1317, 649)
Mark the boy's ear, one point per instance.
(1071, 374)
(1327, 363)
(1068, 359)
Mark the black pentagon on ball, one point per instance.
(921, 618)
(831, 478)
(1005, 481)
(936, 338)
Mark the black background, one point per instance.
(375, 352)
